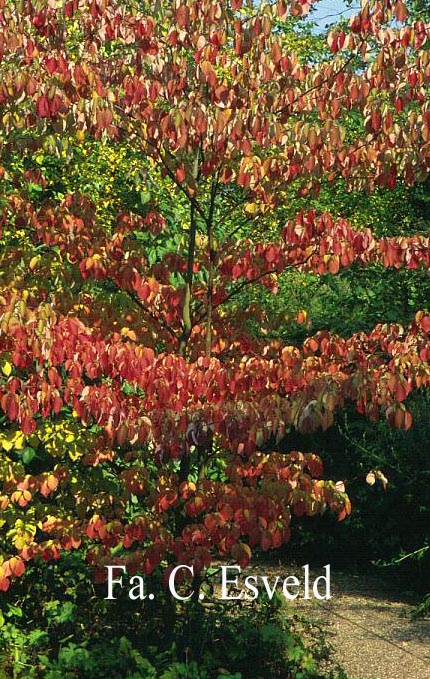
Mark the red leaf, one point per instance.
(4, 584)
(272, 253)
(401, 391)
(266, 540)
(408, 420)
(51, 65)
(56, 105)
(180, 174)
(28, 425)
(425, 323)
(277, 538)
(42, 107)
(12, 408)
(182, 16)
(314, 465)
(69, 9)
(400, 11)
(237, 270)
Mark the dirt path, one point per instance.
(369, 626)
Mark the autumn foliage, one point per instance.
(143, 426)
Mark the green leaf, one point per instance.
(27, 455)
(37, 637)
(145, 197)
(14, 611)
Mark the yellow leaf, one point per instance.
(251, 208)
(34, 261)
(19, 441)
(6, 368)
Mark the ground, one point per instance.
(368, 622)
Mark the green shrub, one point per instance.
(57, 625)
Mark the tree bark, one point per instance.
(212, 253)
(187, 323)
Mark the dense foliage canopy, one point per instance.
(143, 395)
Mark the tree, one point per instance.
(154, 440)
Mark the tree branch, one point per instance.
(149, 313)
(244, 284)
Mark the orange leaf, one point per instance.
(241, 553)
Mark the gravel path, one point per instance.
(369, 625)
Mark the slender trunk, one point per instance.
(169, 616)
(211, 269)
(406, 310)
(210, 297)
(184, 469)
(187, 323)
